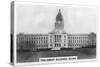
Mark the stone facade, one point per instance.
(56, 39)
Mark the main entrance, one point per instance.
(57, 42)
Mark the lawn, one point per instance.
(33, 56)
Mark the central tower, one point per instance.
(58, 38)
(59, 24)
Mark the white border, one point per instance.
(15, 53)
(50, 4)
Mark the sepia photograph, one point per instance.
(49, 32)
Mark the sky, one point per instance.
(33, 19)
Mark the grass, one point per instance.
(29, 56)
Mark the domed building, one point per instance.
(54, 40)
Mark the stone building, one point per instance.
(56, 39)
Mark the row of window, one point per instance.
(85, 37)
(34, 42)
(57, 40)
(57, 45)
(77, 41)
(42, 46)
(31, 38)
(46, 38)
(41, 42)
(74, 45)
(77, 44)
(57, 36)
